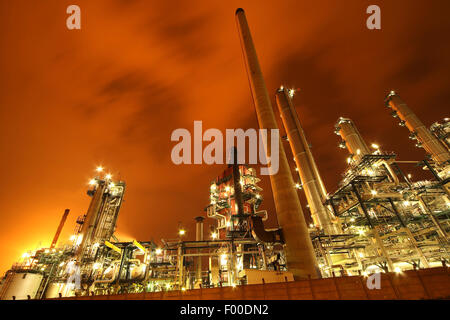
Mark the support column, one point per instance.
(411, 238)
(374, 230)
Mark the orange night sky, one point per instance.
(112, 93)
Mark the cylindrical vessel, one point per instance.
(20, 285)
(55, 288)
(428, 141)
(300, 257)
(199, 228)
(353, 140)
(311, 184)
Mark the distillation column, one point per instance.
(352, 138)
(323, 218)
(300, 257)
(429, 142)
(355, 143)
(90, 220)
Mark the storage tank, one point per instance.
(55, 288)
(21, 285)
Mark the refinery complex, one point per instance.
(379, 219)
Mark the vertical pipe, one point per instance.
(61, 225)
(323, 219)
(180, 266)
(439, 229)
(429, 142)
(300, 257)
(262, 250)
(199, 237)
(199, 228)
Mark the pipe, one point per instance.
(429, 142)
(263, 236)
(323, 219)
(61, 225)
(300, 257)
(107, 280)
(199, 237)
(199, 228)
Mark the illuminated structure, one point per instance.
(299, 251)
(378, 220)
(49, 268)
(312, 183)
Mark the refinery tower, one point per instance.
(379, 220)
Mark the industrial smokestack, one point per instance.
(61, 225)
(323, 219)
(418, 130)
(300, 257)
(199, 228)
(352, 138)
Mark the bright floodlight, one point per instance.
(291, 92)
(99, 169)
(92, 182)
(108, 176)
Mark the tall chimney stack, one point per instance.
(418, 130)
(300, 257)
(322, 218)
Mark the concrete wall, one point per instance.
(423, 284)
